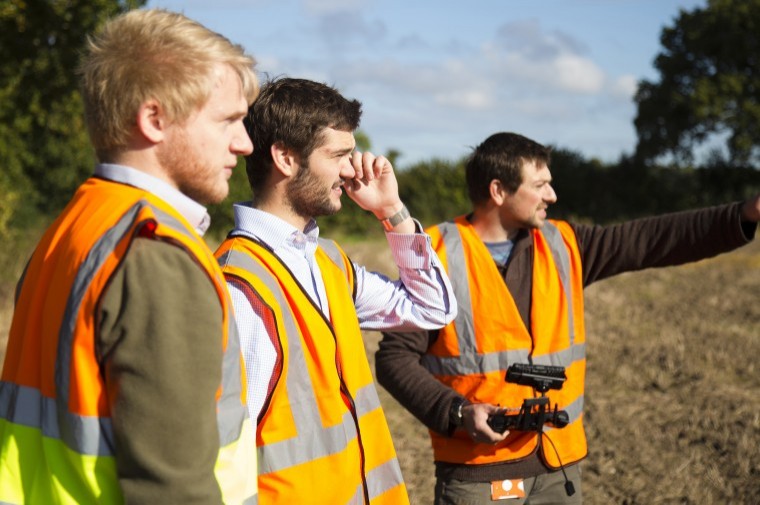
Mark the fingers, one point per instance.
(368, 166)
(483, 434)
(476, 423)
(751, 210)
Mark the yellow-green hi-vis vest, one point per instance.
(56, 438)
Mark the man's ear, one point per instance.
(284, 160)
(151, 121)
(497, 191)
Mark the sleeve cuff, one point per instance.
(411, 250)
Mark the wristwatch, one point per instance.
(455, 413)
(390, 222)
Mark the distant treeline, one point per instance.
(434, 190)
(588, 191)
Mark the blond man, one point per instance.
(122, 378)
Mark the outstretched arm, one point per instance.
(751, 210)
(666, 240)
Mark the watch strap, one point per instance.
(455, 412)
(390, 222)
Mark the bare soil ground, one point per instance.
(673, 384)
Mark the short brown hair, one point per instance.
(294, 113)
(501, 156)
(156, 54)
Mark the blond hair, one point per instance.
(152, 54)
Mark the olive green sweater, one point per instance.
(160, 349)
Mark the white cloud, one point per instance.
(577, 74)
(187, 5)
(625, 86)
(541, 60)
(426, 102)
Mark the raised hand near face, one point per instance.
(374, 186)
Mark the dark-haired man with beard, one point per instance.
(519, 278)
(301, 303)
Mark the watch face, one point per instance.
(455, 415)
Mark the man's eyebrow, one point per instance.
(343, 151)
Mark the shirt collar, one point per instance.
(272, 230)
(195, 213)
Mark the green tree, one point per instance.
(363, 143)
(222, 219)
(43, 139)
(709, 85)
(434, 190)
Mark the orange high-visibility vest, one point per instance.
(322, 435)
(472, 354)
(56, 439)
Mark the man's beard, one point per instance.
(191, 176)
(307, 196)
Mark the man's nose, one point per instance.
(241, 142)
(550, 195)
(347, 170)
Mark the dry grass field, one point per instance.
(673, 383)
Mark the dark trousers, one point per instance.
(546, 489)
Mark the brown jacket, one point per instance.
(667, 240)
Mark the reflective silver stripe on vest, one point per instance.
(574, 411)
(564, 358)
(562, 260)
(312, 440)
(458, 277)
(383, 478)
(27, 406)
(470, 361)
(473, 362)
(231, 410)
(358, 497)
(170, 221)
(495, 361)
(332, 251)
(85, 438)
(388, 475)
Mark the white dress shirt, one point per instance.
(421, 298)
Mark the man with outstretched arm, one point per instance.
(519, 279)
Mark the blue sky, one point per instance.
(437, 78)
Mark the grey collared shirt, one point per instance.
(192, 211)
